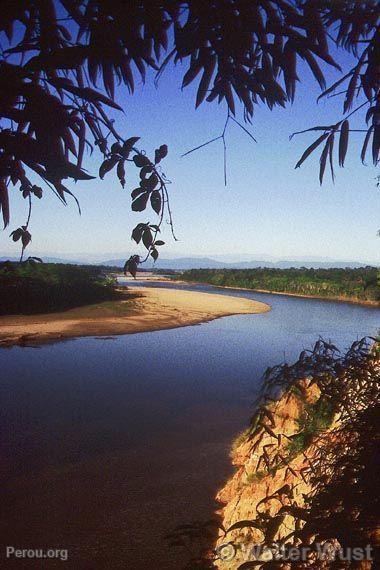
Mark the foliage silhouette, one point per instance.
(66, 56)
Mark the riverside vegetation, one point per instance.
(87, 301)
(306, 469)
(29, 288)
(359, 284)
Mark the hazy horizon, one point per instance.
(227, 257)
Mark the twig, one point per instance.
(201, 145)
(244, 129)
(223, 138)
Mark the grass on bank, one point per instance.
(316, 419)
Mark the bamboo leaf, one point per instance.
(376, 144)
(365, 144)
(351, 92)
(205, 81)
(191, 73)
(343, 141)
(331, 154)
(4, 202)
(315, 69)
(244, 524)
(334, 85)
(311, 148)
(323, 160)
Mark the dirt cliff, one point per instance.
(306, 471)
(272, 474)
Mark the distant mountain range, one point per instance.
(183, 263)
(50, 260)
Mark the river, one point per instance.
(107, 444)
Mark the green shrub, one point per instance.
(35, 288)
(315, 419)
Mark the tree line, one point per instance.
(361, 284)
(30, 288)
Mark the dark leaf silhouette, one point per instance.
(156, 201)
(66, 58)
(121, 172)
(25, 238)
(16, 234)
(149, 184)
(131, 265)
(311, 148)
(141, 160)
(323, 159)
(160, 153)
(204, 84)
(139, 204)
(343, 141)
(37, 191)
(137, 191)
(147, 238)
(376, 143)
(128, 146)
(138, 232)
(365, 143)
(244, 524)
(116, 148)
(4, 202)
(107, 165)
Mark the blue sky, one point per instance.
(268, 208)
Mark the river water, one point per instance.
(107, 444)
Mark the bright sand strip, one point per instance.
(153, 309)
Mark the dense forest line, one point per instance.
(359, 284)
(29, 288)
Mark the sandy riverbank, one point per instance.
(149, 310)
(336, 299)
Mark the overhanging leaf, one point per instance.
(107, 165)
(343, 141)
(311, 148)
(139, 204)
(244, 524)
(323, 159)
(147, 238)
(365, 143)
(156, 201)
